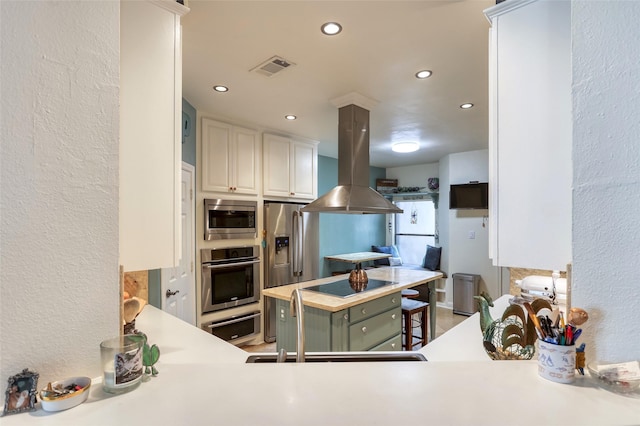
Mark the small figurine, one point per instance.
(577, 316)
(580, 359)
(150, 354)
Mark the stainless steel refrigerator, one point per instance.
(291, 252)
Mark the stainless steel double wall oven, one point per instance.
(230, 277)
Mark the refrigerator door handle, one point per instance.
(297, 246)
(300, 243)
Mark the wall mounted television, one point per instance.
(474, 195)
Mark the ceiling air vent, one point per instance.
(272, 66)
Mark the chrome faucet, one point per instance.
(296, 309)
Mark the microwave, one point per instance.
(226, 219)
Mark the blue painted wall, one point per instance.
(189, 141)
(345, 233)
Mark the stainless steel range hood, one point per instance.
(353, 195)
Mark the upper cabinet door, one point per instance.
(304, 170)
(229, 158)
(246, 152)
(530, 134)
(150, 150)
(277, 166)
(290, 168)
(216, 156)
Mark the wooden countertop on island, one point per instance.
(403, 278)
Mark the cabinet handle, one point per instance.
(393, 345)
(393, 316)
(364, 330)
(364, 311)
(393, 300)
(292, 193)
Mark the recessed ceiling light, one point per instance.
(290, 117)
(466, 106)
(331, 28)
(219, 88)
(405, 147)
(423, 74)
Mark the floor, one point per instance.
(445, 320)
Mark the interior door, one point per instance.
(178, 284)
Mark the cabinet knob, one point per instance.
(292, 193)
(346, 317)
(364, 330)
(393, 300)
(393, 316)
(364, 311)
(393, 345)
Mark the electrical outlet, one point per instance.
(472, 235)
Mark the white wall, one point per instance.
(606, 175)
(462, 253)
(59, 186)
(413, 175)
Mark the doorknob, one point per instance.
(170, 293)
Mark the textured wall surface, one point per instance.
(606, 175)
(59, 186)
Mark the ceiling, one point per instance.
(381, 47)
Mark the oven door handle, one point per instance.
(228, 265)
(233, 321)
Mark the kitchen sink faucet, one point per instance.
(296, 309)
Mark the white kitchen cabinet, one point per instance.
(290, 168)
(530, 134)
(229, 158)
(150, 149)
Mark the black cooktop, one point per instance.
(343, 288)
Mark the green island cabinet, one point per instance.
(374, 325)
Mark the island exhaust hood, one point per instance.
(353, 194)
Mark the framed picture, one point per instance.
(21, 393)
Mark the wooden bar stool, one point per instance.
(410, 308)
(410, 293)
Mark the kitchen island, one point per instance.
(204, 380)
(379, 307)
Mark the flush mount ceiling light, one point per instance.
(466, 106)
(290, 117)
(423, 74)
(331, 28)
(219, 88)
(405, 147)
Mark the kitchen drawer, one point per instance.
(393, 344)
(370, 332)
(374, 307)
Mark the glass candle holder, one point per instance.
(121, 363)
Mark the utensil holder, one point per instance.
(557, 362)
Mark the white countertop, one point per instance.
(359, 257)
(401, 277)
(204, 381)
